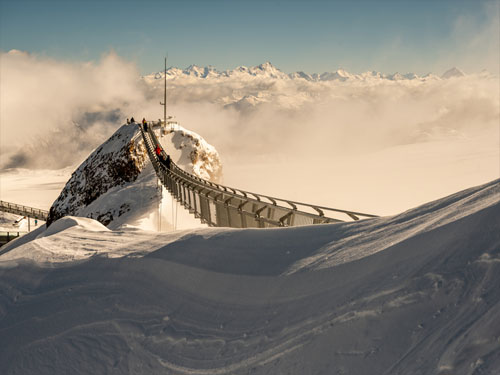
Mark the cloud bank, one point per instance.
(276, 117)
(53, 113)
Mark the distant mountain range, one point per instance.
(268, 70)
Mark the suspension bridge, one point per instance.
(222, 206)
(215, 204)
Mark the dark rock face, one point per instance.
(116, 162)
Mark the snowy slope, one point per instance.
(195, 155)
(12, 223)
(416, 293)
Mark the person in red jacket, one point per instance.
(158, 150)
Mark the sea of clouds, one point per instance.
(282, 117)
(376, 145)
(54, 113)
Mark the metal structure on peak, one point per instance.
(168, 121)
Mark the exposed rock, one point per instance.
(116, 162)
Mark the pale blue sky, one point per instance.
(313, 36)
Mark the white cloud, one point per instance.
(53, 112)
(275, 117)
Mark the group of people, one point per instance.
(144, 123)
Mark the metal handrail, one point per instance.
(204, 188)
(272, 199)
(18, 209)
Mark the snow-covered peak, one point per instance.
(117, 162)
(339, 74)
(371, 75)
(268, 70)
(342, 73)
(189, 150)
(395, 77)
(116, 184)
(199, 72)
(453, 72)
(265, 70)
(301, 75)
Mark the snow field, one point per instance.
(225, 301)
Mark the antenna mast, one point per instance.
(165, 94)
(164, 104)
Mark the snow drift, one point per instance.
(416, 293)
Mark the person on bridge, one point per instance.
(168, 162)
(145, 124)
(165, 161)
(158, 150)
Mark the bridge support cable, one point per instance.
(221, 206)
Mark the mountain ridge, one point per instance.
(268, 70)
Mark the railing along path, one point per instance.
(18, 209)
(222, 206)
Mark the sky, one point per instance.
(312, 36)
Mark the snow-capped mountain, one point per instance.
(199, 72)
(115, 163)
(453, 72)
(301, 75)
(192, 152)
(116, 185)
(339, 75)
(269, 71)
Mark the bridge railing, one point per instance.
(18, 209)
(223, 206)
